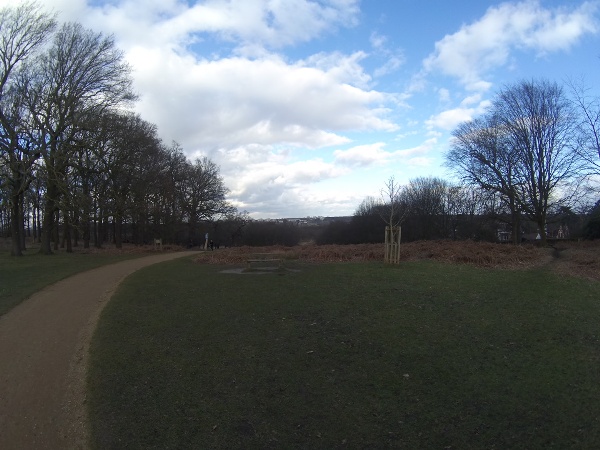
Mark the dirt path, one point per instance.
(43, 358)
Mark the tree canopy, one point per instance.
(74, 159)
(524, 149)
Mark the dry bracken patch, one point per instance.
(573, 258)
(581, 259)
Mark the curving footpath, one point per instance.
(44, 343)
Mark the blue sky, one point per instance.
(309, 106)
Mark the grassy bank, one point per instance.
(20, 277)
(421, 355)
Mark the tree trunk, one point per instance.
(85, 217)
(516, 226)
(38, 235)
(50, 220)
(55, 233)
(67, 232)
(21, 219)
(47, 227)
(541, 223)
(97, 225)
(86, 231)
(16, 248)
(118, 225)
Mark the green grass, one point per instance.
(421, 355)
(20, 277)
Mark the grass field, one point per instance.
(22, 276)
(347, 355)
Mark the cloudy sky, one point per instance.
(309, 106)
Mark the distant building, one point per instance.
(504, 236)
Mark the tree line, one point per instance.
(77, 166)
(530, 164)
(528, 168)
(535, 149)
(432, 208)
(74, 155)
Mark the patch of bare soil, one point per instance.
(580, 259)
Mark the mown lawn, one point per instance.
(420, 355)
(20, 277)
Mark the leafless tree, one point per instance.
(63, 126)
(81, 71)
(588, 108)
(23, 30)
(230, 228)
(482, 156)
(540, 125)
(392, 210)
(204, 194)
(524, 149)
(425, 198)
(132, 165)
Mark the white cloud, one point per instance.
(376, 155)
(472, 51)
(418, 151)
(377, 40)
(471, 99)
(449, 119)
(238, 101)
(339, 67)
(250, 110)
(272, 180)
(217, 77)
(247, 23)
(362, 155)
(444, 95)
(394, 58)
(393, 63)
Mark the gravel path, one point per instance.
(43, 358)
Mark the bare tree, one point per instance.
(425, 198)
(540, 126)
(133, 167)
(588, 108)
(392, 210)
(393, 215)
(82, 70)
(524, 149)
(204, 194)
(23, 30)
(482, 156)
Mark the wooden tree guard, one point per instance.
(392, 244)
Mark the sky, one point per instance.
(309, 106)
